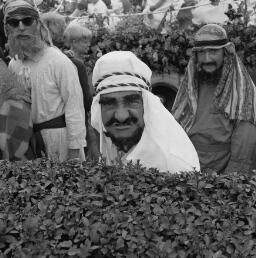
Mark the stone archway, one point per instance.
(166, 86)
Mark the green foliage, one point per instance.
(162, 52)
(72, 210)
(170, 51)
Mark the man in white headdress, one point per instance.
(132, 122)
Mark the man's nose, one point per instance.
(121, 114)
(207, 56)
(21, 25)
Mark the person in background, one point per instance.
(51, 80)
(212, 11)
(120, 6)
(57, 25)
(116, 7)
(155, 10)
(107, 3)
(97, 7)
(131, 122)
(78, 40)
(184, 16)
(81, 9)
(127, 6)
(215, 104)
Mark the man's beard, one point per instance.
(210, 77)
(125, 144)
(25, 48)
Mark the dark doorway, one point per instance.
(166, 92)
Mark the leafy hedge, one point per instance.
(163, 53)
(168, 52)
(71, 210)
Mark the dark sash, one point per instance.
(38, 142)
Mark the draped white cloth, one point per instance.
(164, 144)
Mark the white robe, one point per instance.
(53, 83)
(164, 144)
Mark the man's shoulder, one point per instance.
(54, 52)
(55, 56)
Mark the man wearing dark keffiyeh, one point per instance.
(216, 104)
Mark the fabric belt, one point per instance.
(57, 122)
(212, 147)
(38, 145)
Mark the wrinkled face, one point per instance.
(22, 28)
(210, 60)
(122, 116)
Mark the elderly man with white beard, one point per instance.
(51, 79)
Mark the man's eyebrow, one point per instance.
(133, 97)
(106, 100)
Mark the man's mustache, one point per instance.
(128, 121)
(210, 63)
(24, 35)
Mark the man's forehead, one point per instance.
(120, 94)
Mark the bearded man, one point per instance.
(216, 104)
(132, 123)
(51, 79)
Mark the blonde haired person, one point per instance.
(78, 39)
(56, 25)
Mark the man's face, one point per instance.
(122, 116)
(210, 60)
(22, 28)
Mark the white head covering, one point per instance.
(164, 144)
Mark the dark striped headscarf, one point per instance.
(235, 94)
(27, 8)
